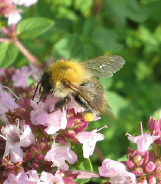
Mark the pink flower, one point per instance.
(73, 104)
(36, 71)
(2, 72)
(60, 154)
(117, 172)
(15, 139)
(8, 9)
(89, 139)
(143, 141)
(20, 77)
(13, 18)
(6, 102)
(26, 3)
(111, 168)
(124, 178)
(42, 115)
(30, 177)
(48, 178)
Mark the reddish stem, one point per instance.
(99, 154)
(26, 53)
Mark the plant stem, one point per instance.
(26, 53)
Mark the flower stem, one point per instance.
(26, 53)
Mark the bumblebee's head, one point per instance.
(46, 85)
(56, 87)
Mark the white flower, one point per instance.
(15, 139)
(89, 139)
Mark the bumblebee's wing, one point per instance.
(95, 101)
(104, 66)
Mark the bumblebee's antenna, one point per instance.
(36, 90)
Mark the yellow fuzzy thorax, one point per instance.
(67, 70)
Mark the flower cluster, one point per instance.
(142, 166)
(8, 9)
(41, 145)
(37, 139)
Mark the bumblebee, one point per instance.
(66, 78)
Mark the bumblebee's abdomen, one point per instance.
(93, 96)
(67, 70)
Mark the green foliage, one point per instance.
(32, 27)
(66, 47)
(8, 53)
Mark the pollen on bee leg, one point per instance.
(88, 116)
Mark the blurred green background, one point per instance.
(85, 29)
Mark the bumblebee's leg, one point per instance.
(60, 104)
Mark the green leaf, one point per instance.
(83, 5)
(118, 11)
(69, 47)
(88, 26)
(91, 50)
(135, 12)
(77, 148)
(72, 47)
(105, 39)
(8, 53)
(116, 102)
(86, 166)
(32, 27)
(115, 12)
(153, 8)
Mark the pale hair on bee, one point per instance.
(66, 78)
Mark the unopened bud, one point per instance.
(71, 132)
(138, 160)
(139, 169)
(130, 164)
(150, 167)
(152, 180)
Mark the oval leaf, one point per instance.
(8, 53)
(32, 27)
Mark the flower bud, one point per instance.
(138, 160)
(152, 180)
(155, 128)
(130, 164)
(139, 169)
(71, 132)
(150, 167)
(39, 158)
